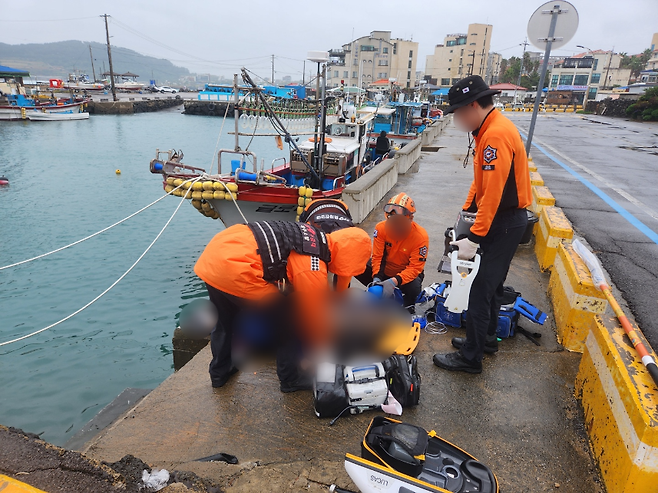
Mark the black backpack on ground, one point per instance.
(403, 379)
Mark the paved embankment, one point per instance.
(132, 105)
(520, 416)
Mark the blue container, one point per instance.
(158, 166)
(297, 180)
(243, 175)
(236, 165)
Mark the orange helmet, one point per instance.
(400, 204)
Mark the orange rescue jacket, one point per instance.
(231, 264)
(404, 259)
(501, 177)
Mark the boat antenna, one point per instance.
(287, 137)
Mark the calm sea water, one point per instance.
(64, 187)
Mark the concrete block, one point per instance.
(536, 179)
(620, 404)
(186, 347)
(408, 155)
(541, 197)
(552, 229)
(364, 194)
(576, 301)
(531, 166)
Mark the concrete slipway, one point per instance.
(519, 416)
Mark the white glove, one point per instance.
(467, 249)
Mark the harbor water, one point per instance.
(63, 187)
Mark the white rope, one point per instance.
(92, 235)
(109, 288)
(237, 206)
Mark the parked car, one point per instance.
(167, 89)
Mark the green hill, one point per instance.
(45, 60)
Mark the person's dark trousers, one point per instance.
(498, 249)
(410, 291)
(228, 307)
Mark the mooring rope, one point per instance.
(94, 234)
(111, 285)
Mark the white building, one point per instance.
(584, 74)
(372, 58)
(460, 55)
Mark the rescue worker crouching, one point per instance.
(499, 193)
(246, 268)
(400, 247)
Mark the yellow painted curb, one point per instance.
(11, 485)
(620, 402)
(552, 229)
(536, 179)
(531, 166)
(575, 299)
(541, 197)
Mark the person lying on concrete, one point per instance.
(499, 194)
(399, 254)
(276, 271)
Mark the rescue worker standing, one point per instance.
(248, 268)
(399, 254)
(499, 194)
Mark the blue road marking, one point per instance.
(643, 228)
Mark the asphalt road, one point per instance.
(620, 159)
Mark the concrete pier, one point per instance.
(131, 105)
(519, 416)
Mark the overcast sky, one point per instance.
(219, 36)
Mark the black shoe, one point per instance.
(490, 346)
(456, 362)
(220, 382)
(302, 383)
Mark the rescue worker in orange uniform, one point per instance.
(399, 251)
(248, 268)
(499, 194)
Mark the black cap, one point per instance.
(467, 90)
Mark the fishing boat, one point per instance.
(82, 82)
(338, 154)
(15, 104)
(126, 82)
(51, 117)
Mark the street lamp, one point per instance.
(589, 77)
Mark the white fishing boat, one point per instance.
(126, 82)
(53, 117)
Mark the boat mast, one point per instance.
(109, 58)
(91, 57)
(235, 111)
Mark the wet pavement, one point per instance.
(519, 416)
(620, 158)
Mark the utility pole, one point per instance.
(272, 69)
(524, 44)
(93, 71)
(607, 70)
(109, 58)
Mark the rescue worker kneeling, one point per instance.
(400, 248)
(279, 269)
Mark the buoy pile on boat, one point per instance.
(201, 192)
(305, 198)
